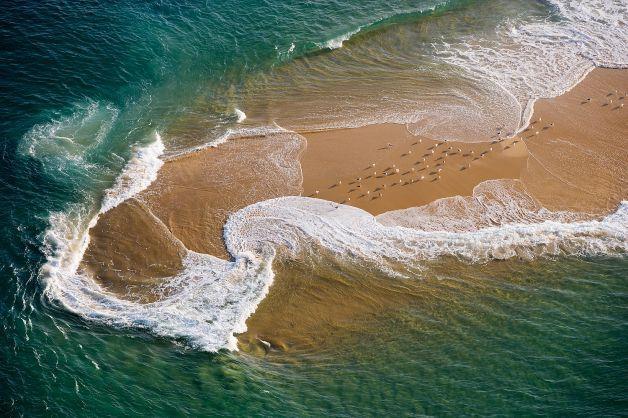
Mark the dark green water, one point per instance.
(519, 338)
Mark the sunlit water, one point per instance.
(84, 87)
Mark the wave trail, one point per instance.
(294, 223)
(385, 21)
(210, 299)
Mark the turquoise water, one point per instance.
(84, 84)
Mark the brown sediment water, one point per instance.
(195, 193)
(576, 162)
(131, 251)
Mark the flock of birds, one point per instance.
(374, 181)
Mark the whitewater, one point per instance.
(210, 299)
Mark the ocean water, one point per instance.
(532, 319)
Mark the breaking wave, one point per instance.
(545, 56)
(210, 299)
(68, 143)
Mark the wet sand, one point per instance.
(380, 168)
(579, 158)
(575, 162)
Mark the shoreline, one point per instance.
(194, 194)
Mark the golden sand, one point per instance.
(380, 168)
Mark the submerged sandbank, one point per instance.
(574, 163)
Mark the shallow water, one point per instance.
(88, 89)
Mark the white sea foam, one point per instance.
(545, 57)
(208, 301)
(67, 239)
(67, 140)
(338, 41)
(294, 223)
(493, 202)
(138, 174)
(232, 134)
(240, 114)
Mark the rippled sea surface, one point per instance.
(85, 84)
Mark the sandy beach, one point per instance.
(384, 167)
(571, 157)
